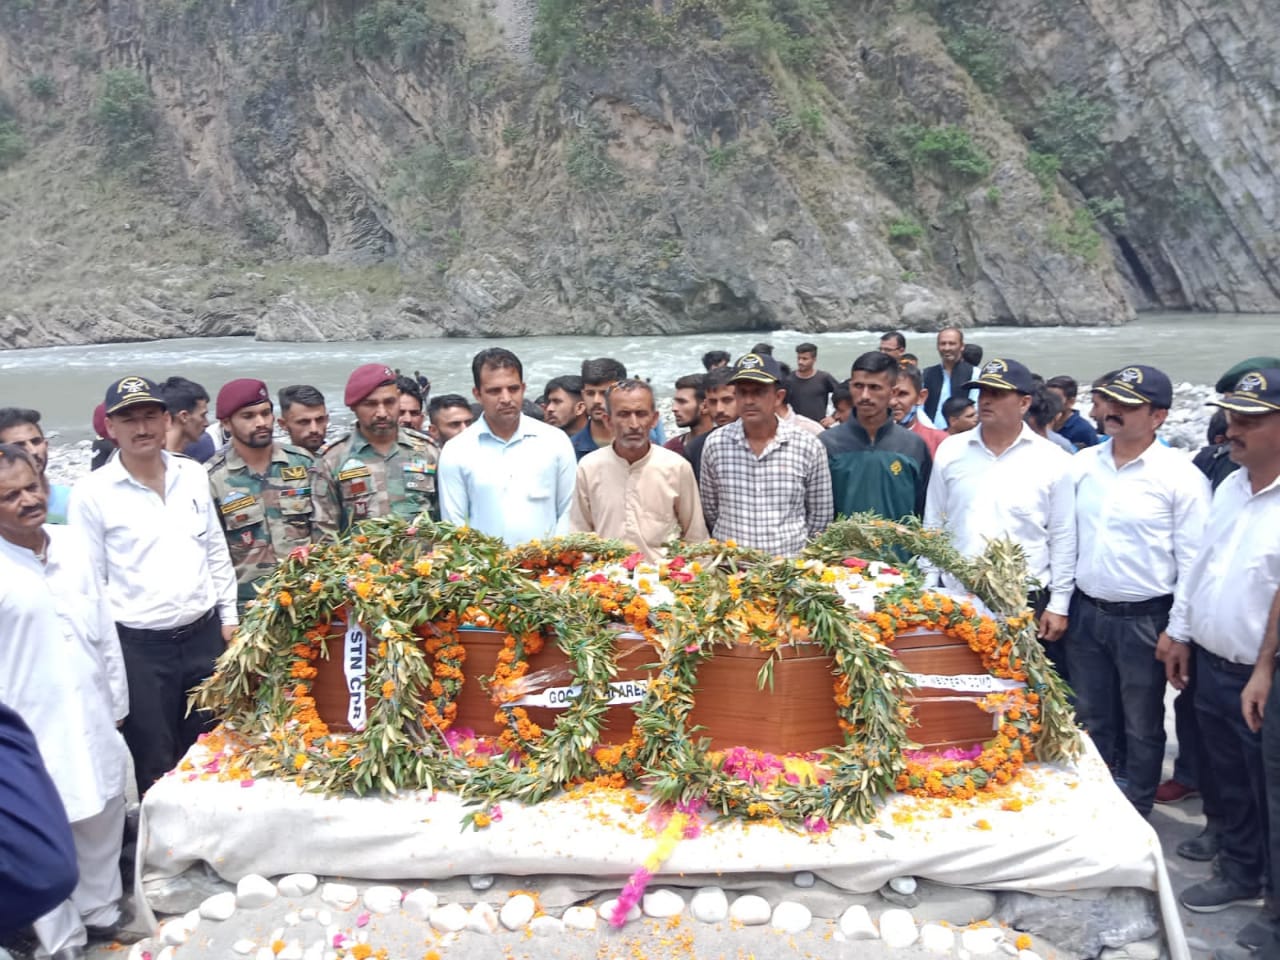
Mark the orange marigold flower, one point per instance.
(285, 598)
(316, 586)
(388, 688)
(1023, 942)
(481, 820)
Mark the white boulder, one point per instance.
(856, 924)
(936, 938)
(450, 918)
(296, 885)
(791, 917)
(517, 912)
(662, 903)
(898, 928)
(218, 907)
(382, 899)
(419, 903)
(482, 918)
(709, 905)
(340, 896)
(254, 891)
(545, 926)
(606, 911)
(751, 910)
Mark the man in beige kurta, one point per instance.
(633, 490)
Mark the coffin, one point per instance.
(798, 715)
(550, 678)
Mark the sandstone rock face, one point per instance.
(446, 169)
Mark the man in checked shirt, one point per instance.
(764, 483)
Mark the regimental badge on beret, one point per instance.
(131, 385)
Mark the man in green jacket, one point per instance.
(877, 466)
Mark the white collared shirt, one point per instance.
(1236, 571)
(518, 489)
(61, 668)
(1138, 527)
(1025, 493)
(164, 560)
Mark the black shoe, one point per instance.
(117, 932)
(1210, 896)
(1254, 934)
(1202, 848)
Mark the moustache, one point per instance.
(1112, 418)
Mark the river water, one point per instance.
(65, 383)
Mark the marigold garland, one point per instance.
(417, 587)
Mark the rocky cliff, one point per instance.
(320, 169)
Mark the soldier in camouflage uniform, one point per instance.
(262, 488)
(378, 469)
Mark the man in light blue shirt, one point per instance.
(506, 475)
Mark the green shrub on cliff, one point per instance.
(126, 116)
(1070, 127)
(12, 144)
(948, 148)
(593, 30)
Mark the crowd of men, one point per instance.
(123, 591)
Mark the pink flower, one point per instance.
(691, 648)
(300, 553)
(495, 813)
(633, 561)
(338, 940)
(411, 531)
(597, 578)
(454, 577)
(677, 563)
(854, 562)
(891, 571)
(246, 783)
(681, 576)
(816, 824)
(362, 920)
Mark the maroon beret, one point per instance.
(239, 394)
(366, 379)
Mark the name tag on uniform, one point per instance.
(236, 502)
(293, 473)
(355, 473)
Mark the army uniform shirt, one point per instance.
(263, 517)
(353, 481)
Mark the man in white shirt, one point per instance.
(1228, 595)
(61, 670)
(506, 475)
(633, 490)
(1140, 511)
(155, 542)
(1002, 480)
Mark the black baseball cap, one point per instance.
(1136, 385)
(131, 391)
(1001, 374)
(1256, 392)
(757, 368)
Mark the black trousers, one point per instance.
(162, 666)
(1235, 760)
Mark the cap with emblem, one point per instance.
(1232, 376)
(756, 367)
(1256, 392)
(1136, 385)
(366, 379)
(238, 394)
(998, 374)
(130, 391)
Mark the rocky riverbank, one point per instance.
(322, 171)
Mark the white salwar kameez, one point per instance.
(61, 670)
